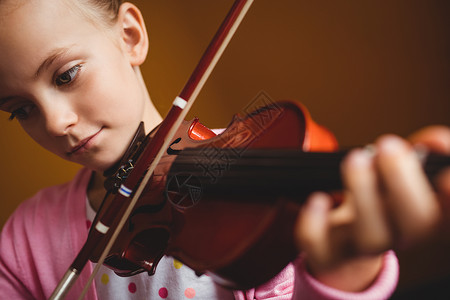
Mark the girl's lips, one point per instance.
(83, 144)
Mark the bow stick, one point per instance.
(154, 151)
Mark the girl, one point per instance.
(69, 73)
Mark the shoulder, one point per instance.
(50, 211)
(47, 210)
(50, 202)
(49, 220)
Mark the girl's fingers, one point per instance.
(387, 199)
(312, 229)
(436, 138)
(410, 199)
(371, 230)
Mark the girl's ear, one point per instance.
(133, 33)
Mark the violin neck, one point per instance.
(267, 172)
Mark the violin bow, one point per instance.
(134, 186)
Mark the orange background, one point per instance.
(363, 68)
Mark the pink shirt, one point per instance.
(44, 235)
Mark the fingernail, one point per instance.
(319, 202)
(360, 157)
(391, 144)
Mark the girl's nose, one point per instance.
(59, 118)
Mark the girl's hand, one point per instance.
(387, 203)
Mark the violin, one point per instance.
(215, 226)
(223, 203)
(210, 200)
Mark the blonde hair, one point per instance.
(105, 9)
(98, 12)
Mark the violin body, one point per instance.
(240, 239)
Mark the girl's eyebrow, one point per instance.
(53, 55)
(4, 100)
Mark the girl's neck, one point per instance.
(95, 191)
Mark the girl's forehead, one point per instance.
(36, 28)
(44, 12)
(40, 24)
(10, 7)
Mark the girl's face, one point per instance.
(69, 82)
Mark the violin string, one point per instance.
(261, 171)
(273, 172)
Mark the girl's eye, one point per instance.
(21, 113)
(67, 76)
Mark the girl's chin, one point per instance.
(100, 162)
